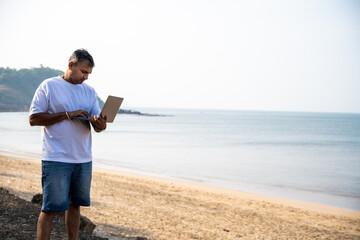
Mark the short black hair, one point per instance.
(80, 55)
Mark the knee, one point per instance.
(46, 216)
(73, 207)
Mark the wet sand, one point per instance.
(126, 205)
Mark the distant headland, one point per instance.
(122, 111)
(17, 88)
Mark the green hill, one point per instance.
(17, 87)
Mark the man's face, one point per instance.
(79, 72)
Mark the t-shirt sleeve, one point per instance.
(39, 104)
(95, 109)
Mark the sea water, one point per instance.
(313, 157)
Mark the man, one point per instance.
(66, 142)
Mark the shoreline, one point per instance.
(307, 206)
(219, 190)
(127, 203)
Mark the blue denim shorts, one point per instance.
(64, 184)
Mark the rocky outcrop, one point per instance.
(18, 220)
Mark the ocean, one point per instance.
(312, 157)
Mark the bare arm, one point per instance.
(48, 119)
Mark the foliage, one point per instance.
(17, 87)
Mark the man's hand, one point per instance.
(98, 122)
(78, 113)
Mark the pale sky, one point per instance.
(248, 55)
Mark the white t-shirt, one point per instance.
(66, 141)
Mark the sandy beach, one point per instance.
(129, 205)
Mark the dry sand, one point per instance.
(125, 205)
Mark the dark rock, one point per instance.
(37, 198)
(18, 220)
(86, 225)
(141, 238)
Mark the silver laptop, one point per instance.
(110, 109)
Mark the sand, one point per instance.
(126, 205)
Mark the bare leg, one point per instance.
(72, 221)
(45, 225)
